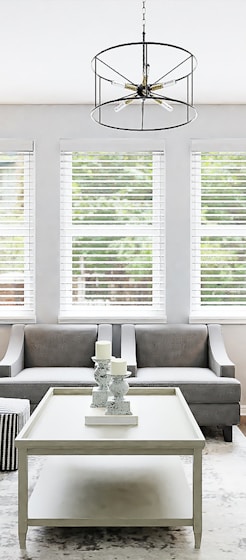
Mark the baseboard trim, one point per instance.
(243, 414)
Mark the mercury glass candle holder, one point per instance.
(118, 387)
(101, 393)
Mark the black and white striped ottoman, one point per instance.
(13, 415)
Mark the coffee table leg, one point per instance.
(197, 497)
(22, 496)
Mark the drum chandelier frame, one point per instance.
(145, 105)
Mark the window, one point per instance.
(218, 290)
(112, 235)
(16, 231)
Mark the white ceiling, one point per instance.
(47, 45)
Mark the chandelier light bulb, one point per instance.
(169, 83)
(161, 85)
(113, 83)
(164, 105)
(120, 106)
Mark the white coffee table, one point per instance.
(111, 475)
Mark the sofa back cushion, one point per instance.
(59, 345)
(171, 345)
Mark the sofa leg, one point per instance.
(227, 433)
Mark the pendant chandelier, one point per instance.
(147, 71)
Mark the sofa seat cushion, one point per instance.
(35, 382)
(59, 375)
(198, 385)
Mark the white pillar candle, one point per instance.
(118, 366)
(103, 349)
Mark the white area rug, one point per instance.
(224, 519)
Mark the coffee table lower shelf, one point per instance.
(110, 491)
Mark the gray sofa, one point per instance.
(191, 357)
(44, 355)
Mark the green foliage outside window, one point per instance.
(113, 190)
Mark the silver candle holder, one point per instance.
(101, 393)
(118, 387)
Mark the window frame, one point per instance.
(108, 313)
(10, 314)
(224, 314)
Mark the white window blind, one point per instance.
(218, 289)
(16, 232)
(112, 235)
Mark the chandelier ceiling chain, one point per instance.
(144, 12)
(141, 109)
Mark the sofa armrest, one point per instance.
(218, 359)
(128, 347)
(13, 361)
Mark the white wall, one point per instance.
(47, 124)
